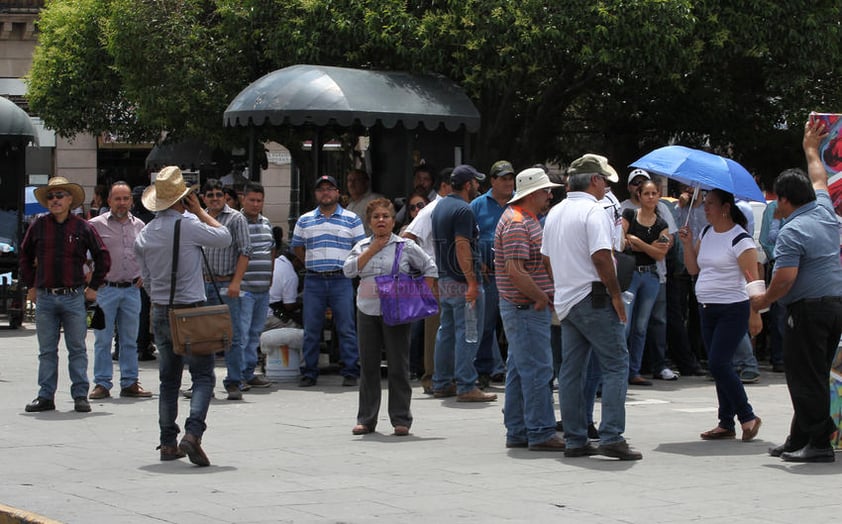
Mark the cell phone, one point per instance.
(664, 239)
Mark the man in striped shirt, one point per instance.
(525, 285)
(323, 238)
(256, 281)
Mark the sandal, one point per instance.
(749, 434)
(361, 429)
(401, 431)
(718, 433)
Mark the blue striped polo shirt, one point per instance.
(327, 240)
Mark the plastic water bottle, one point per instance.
(471, 335)
(628, 297)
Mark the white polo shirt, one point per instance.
(574, 230)
(422, 227)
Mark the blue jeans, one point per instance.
(656, 333)
(489, 361)
(337, 293)
(645, 287)
(123, 306)
(454, 356)
(724, 326)
(52, 313)
(234, 355)
(528, 410)
(170, 369)
(586, 330)
(253, 307)
(744, 358)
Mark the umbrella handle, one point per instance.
(692, 201)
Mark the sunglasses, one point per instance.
(419, 205)
(58, 195)
(215, 195)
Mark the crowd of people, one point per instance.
(533, 261)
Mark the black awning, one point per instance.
(15, 125)
(322, 95)
(188, 154)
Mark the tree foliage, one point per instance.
(551, 79)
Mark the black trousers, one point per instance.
(811, 337)
(374, 336)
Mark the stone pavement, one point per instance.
(286, 454)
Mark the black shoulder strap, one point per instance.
(175, 242)
(705, 230)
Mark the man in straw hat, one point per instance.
(525, 285)
(577, 240)
(52, 257)
(170, 197)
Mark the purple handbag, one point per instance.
(404, 298)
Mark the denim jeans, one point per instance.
(253, 307)
(645, 286)
(52, 313)
(123, 306)
(170, 369)
(454, 356)
(337, 293)
(724, 326)
(744, 358)
(489, 361)
(528, 410)
(586, 330)
(656, 333)
(234, 355)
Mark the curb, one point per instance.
(10, 515)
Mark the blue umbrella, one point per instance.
(701, 169)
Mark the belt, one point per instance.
(819, 300)
(122, 284)
(219, 278)
(60, 290)
(649, 268)
(180, 306)
(325, 273)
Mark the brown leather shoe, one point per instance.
(449, 391)
(192, 446)
(99, 392)
(475, 395)
(135, 391)
(170, 453)
(554, 443)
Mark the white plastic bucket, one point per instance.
(282, 348)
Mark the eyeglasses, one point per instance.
(549, 190)
(419, 205)
(326, 189)
(58, 195)
(215, 195)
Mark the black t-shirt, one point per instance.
(647, 234)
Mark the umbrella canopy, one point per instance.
(15, 125)
(323, 95)
(701, 169)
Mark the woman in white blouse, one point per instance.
(370, 258)
(723, 258)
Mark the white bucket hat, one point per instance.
(530, 180)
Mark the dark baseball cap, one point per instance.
(326, 178)
(463, 173)
(502, 168)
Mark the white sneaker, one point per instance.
(667, 374)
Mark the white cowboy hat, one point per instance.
(169, 188)
(530, 180)
(60, 183)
